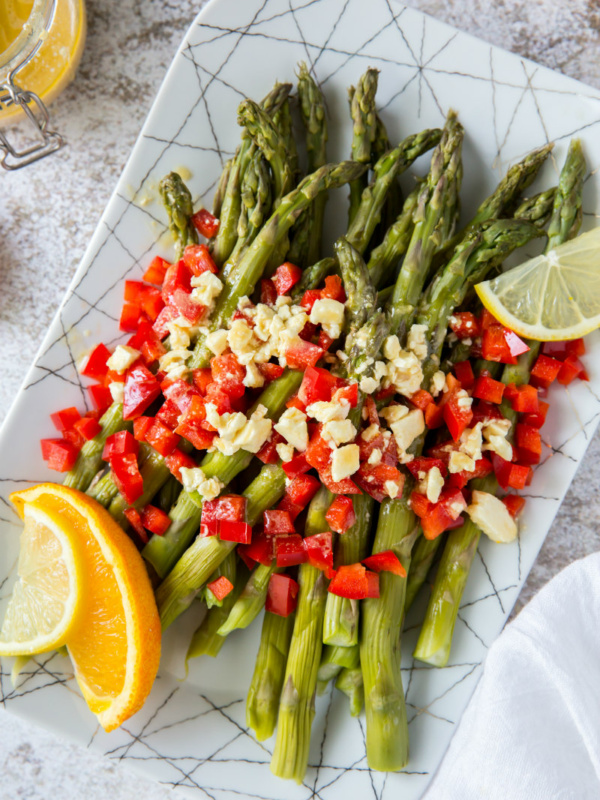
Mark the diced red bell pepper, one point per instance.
(198, 259)
(488, 389)
(290, 550)
(270, 372)
(465, 325)
(177, 276)
(129, 319)
(65, 420)
(155, 520)
(442, 514)
(145, 298)
(281, 595)
(325, 340)
(205, 223)
(287, 504)
(419, 504)
(260, 550)
(169, 414)
(135, 520)
(227, 508)
(572, 368)
(74, 437)
(141, 389)
(156, 271)
(514, 504)
(345, 486)
(152, 349)
(464, 373)
(340, 514)
(302, 355)
(181, 393)
(220, 587)
(385, 394)
(522, 398)
(268, 292)
(162, 438)
(308, 331)
(434, 416)
(101, 397)
(202, 377)
(177, 460)
(318, 453)
(319, 549)
(229, 374)
(297, 466)
(545, 371)
(348, 393)
(334, 289)
(487, 319)
(456, 416)
(219, 398)
(373, 478)
(459, 480)
(192, 426)
(560, 350)
(350, 581)
(277, 522)
(168, 314)
(516, 345)
(421, 399)
(235, 531)
(95, 366)
(424, 464)
(309, 298)
(187, 306)
(295, 402)
(60, 454)
(286, 276)
(386, 561)
(537, 418)
(317, 384)
(120, 443)
(88, 427)
(372, 584)
(508, 475)
(126, 475)
(140, 427)
(302, 489)
(371, 409)
(268, 452)
(528, 441)
(494, 346)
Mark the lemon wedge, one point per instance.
(114, 640)
(552, 297)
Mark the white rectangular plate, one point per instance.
(192, 734)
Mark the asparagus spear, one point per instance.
(297, 703)
(163, 551)
(364, 118)
(421, 560)
(340, 626)
(177, 592)
(537, 208)
(206, 641)
(313, 276)
(222, 188)
(178, 202)
(333, 660)
(350, 681)
(361, 295)
(428, 224)
(256, 202)
(251, 601)
(228, 569)
(394, 201)
(435, 639)
(262, 703)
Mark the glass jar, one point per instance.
(41, 42)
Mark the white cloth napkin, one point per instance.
(532, 728)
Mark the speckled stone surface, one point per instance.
(49, 211)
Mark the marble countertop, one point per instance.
(49, 211)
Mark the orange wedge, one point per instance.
(116, 647)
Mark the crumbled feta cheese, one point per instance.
(285, 452)
(416, 342)
(174, 362)
(117, 390)
(339, 431)
(368, 385)
(330, 315)
(471, 442)
(122, 358)
(194, 480)
(380, 370)
(406, 430)
(254, 378)
(293, 427)
(391, 348)
(432, 484)
(393, 413)
(236, 432)
(180, 337)
(324, 411)
(404, 373)
(239, 338)
(460, 461)
(495, 432)
(491, 515)
(375, 457)
(391, 489)
(499, 445)
(463, 400)
(438, 383)
(283, 300)
(217, 342)
(370, 433)
(345, 461)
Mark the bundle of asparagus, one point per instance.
(375, 315)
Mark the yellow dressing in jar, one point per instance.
(53, 65)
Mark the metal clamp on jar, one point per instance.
(41, 42)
